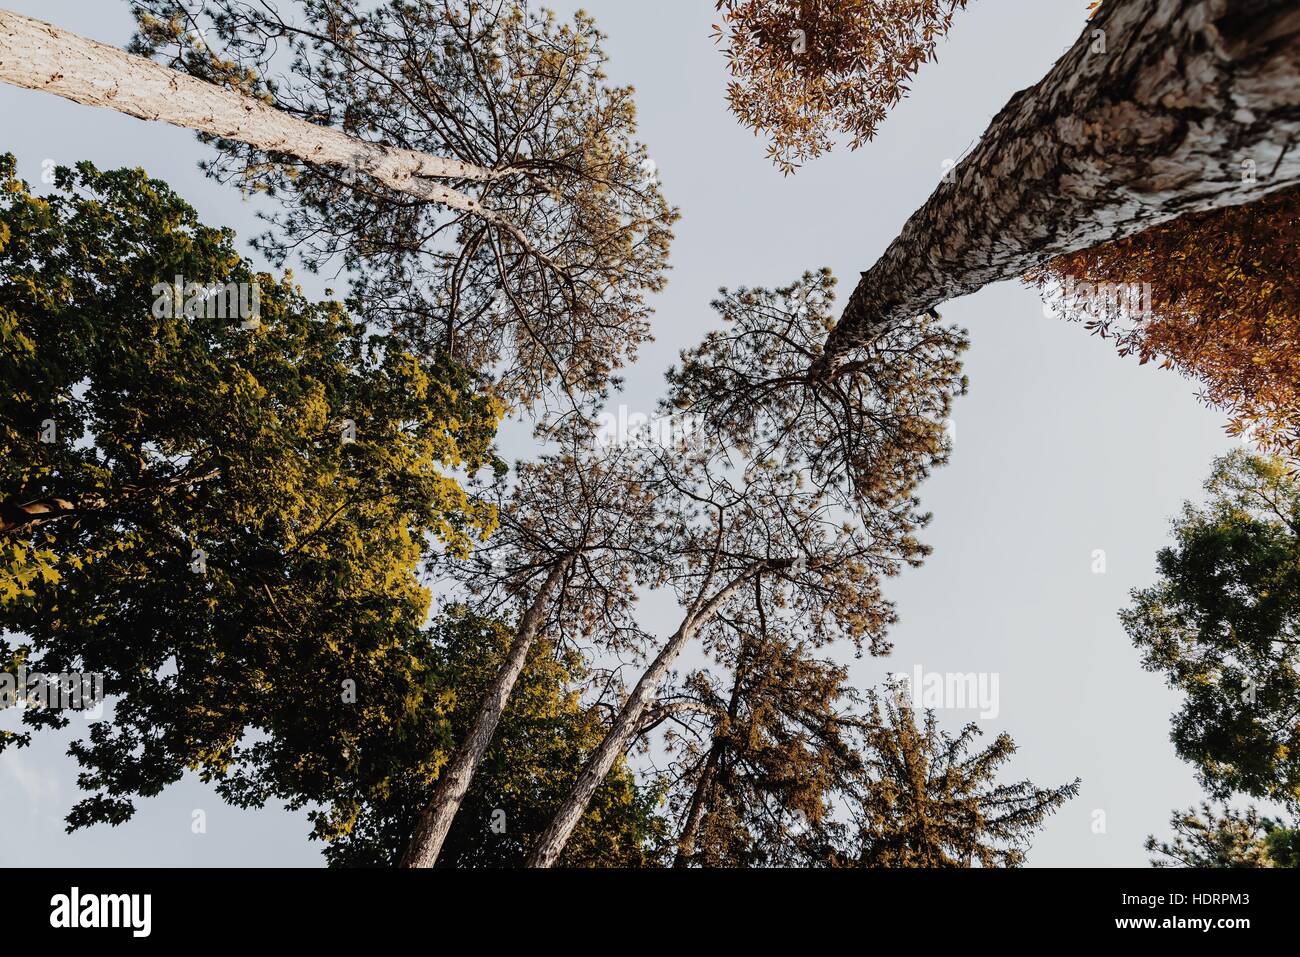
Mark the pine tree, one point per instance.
(926, 799)
(467, 162)
(1097, 152)
(777, 508)
(1223, 838)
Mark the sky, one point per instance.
(1062, 449)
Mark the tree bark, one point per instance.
(551, 843)
(39, 56)
(435, 819)
(695, 815)
(1161, 108)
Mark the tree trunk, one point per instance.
(39, 56)
(434, 822)
(695, 815)
(1162, 108)
(551, 844)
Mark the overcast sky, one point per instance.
(1062, 448)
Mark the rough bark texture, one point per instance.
(1187, 99)
(551, 844)
(435, 820)
(39, 56)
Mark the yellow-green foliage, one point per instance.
(536, 752)
(216, 549)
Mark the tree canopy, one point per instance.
(1207, 837)
(225, 516)
(803, 71)
(537, 749)
(1215, 301)
(1222, 624)
(545, 287)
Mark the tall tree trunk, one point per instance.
(699, 800)
(39, 56)
(1162, 107)
(435, 819)
(551, 843)
(695, 815)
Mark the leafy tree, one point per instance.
(755, 526)
(537, 748)
(1227, 838)
(804, 70)
(1223, 309)
(225, 516)
(927, 800)
(544, 282)
(758, 785)
(1222, 624)
(1283, 844)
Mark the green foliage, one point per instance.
(1225, 838)
(198, 530)
(928, 800)
(1283, 845)
(536, 752)
(1223, 625)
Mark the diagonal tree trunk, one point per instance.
(699, 799)
(39, 56)
(435, 819)
(1161, 108)
(551, 843)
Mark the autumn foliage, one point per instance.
(1223, 308)
(805, 70)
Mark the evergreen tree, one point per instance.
(930, 799)
(1226, 838)
(759, 783)
(543, 283)
(1096, 152)
(796, 769)
(1222, 624)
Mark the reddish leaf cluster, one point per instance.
(805, 70)
(1223, 308)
